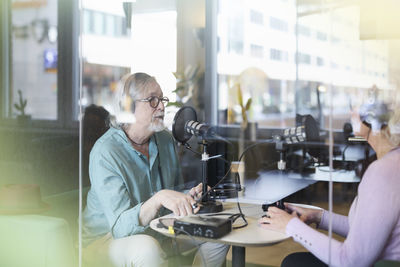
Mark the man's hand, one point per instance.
(197, 192)
(276, 219)
(179, 203)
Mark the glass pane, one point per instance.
(269, 101)
(39, 155)
(118, 39)
(34, 61)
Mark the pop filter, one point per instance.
(183, 115)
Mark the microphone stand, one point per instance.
(280, 147)
(207, 205)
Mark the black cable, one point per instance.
(177, 231)
(233, 217)
(190, 148)
(198, 153)
(343, 152)
(269, 141)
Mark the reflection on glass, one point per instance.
(34, 62)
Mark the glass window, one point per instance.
(304, 58)
(320, 61)
(256, 51)
(278, 24)
(98, 22)
(256, 17)
(321, 36)
(278, 55)
(303, 30)
(34, 63)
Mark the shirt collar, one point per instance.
(153, 149)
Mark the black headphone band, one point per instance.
(127, 84)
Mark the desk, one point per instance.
(249, 236)
(272, 186)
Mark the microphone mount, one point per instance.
(184, 127)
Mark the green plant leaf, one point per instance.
(178, 89)
(248, 104)
(240, 97)
(176, 104)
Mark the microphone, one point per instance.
(199, 129)
(294, 135)
(307, 132)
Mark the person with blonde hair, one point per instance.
(372, 227)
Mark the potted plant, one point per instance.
(22, 118)
(188, 87)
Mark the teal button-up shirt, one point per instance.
(122, 179)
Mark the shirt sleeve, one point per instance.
(340, 223)
(111, 191)
(375, 217)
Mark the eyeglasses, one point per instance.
(154, 101)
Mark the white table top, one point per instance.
(250, 236)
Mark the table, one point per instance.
(272, 186)
(250, 236)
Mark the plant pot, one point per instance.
(250, 132)
(24, 119)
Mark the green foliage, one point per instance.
(244, 108)
(21, 105)
(187, 84)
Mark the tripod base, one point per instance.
(210, 207)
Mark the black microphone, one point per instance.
(294, 135)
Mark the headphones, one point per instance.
(125, 92)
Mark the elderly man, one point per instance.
(135, 177)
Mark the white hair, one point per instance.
(393, 129)
(129, 89)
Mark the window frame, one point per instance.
(68, 78)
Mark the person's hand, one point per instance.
(307, 215)
(276, 219)
(179, 203)
(197, 192)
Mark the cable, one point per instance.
(177, 231)
(343, 152)
(269, 141)
(190, 148)
(233, 217)
(198, 153)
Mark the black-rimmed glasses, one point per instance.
(154, 101)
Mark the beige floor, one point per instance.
(273, 255)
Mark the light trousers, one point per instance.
(144, 250)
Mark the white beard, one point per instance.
(157, 126)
